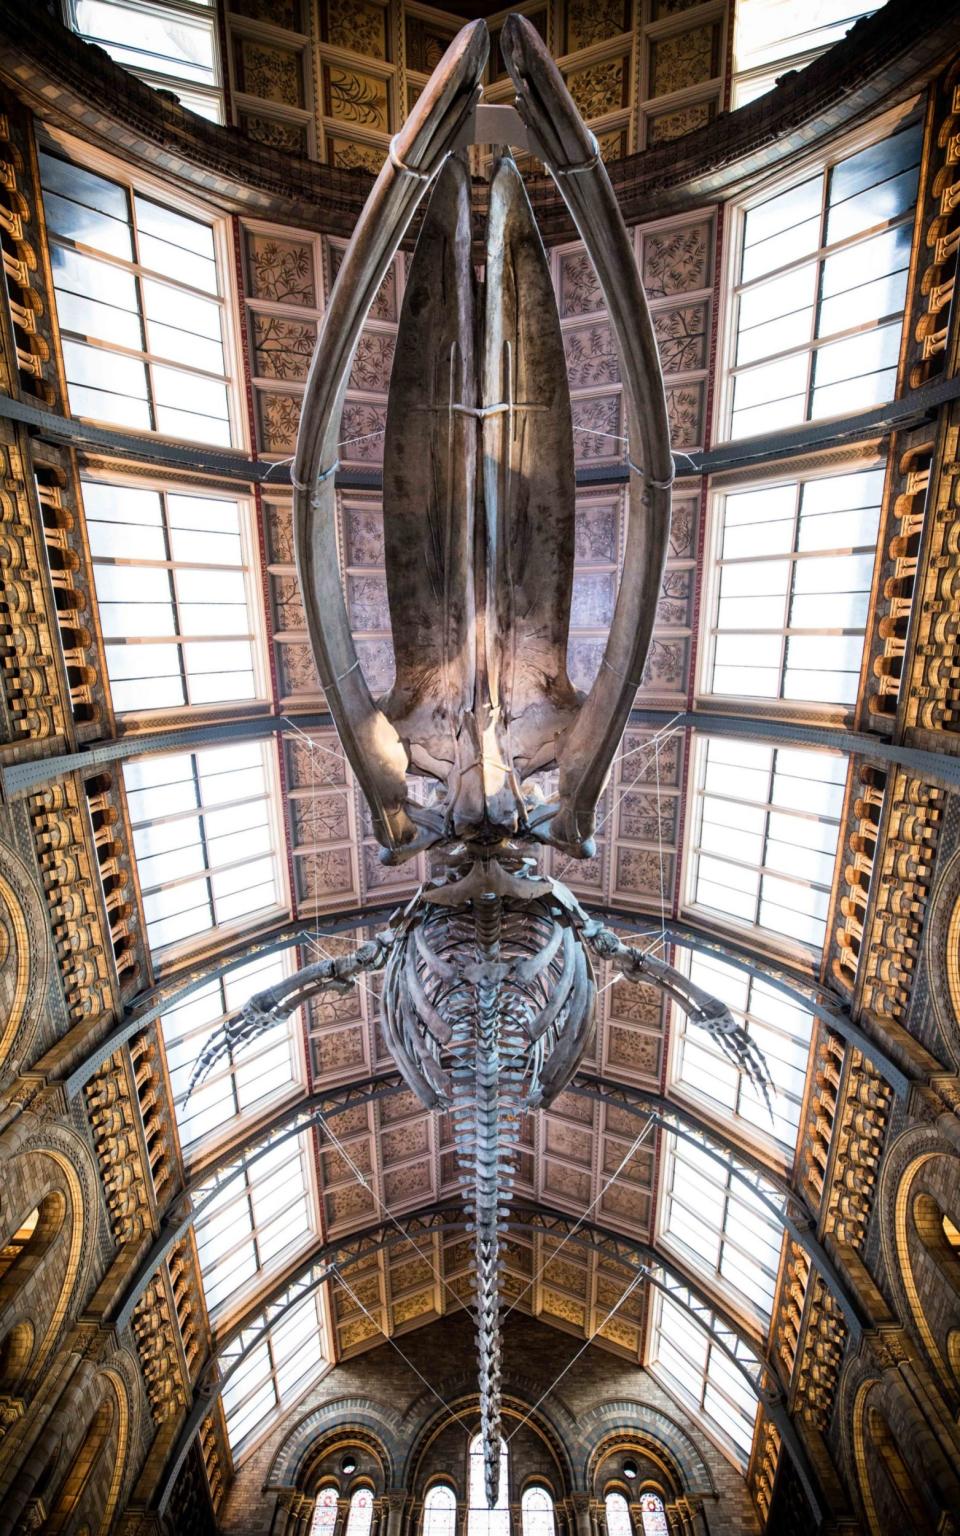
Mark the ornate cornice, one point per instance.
(76, 87)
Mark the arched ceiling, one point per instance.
(588, 1158)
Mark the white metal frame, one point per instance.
(800, 170)
(91, 159)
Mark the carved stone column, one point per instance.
(581, 1513)
(396, 1505)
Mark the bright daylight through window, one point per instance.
(140, 305)
(172, 577)
(170, 44)
(820, 290)
(204, 839)
(764, 840)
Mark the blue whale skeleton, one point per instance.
(489, 996)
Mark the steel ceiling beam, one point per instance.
(723, 1330)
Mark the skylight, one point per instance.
(256, 1224)
(780, 1028)
(820, 290)
(204, 839)
(772, 37)
(702, 1376)
(275, 1373)
(713, 1222)
(766, 824)
(252, 1077)
(169, 45)
(139, 302)
(172, 581)
(795, 564)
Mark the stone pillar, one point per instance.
(396, 1505)
(582, 1513)
(56, 1417)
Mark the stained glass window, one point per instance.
(617, 1514)
(652, 1515)
(325, 1513)
(536, 1509)
(440, 1511)
(482, 1521)
(360, 1517)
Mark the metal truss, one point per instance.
(723, 1330)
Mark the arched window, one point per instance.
(482, 1521)
(536, 1508)
(652, 1515)
(325, 1512)
(360, 1517)
(618, 1515)
(440, 1511)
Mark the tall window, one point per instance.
(260, 1220)
(765, 828)
(482, 1521)
(140, 306)
(715, 1223)
(169, 43)
(617, 1512)
(653, 1516)
(777, 1025)
(325, 1513)
(360, 1516)
(440, 1511)
(203, 838)
(795, 564)
(251, 1077)
(274, 1375)
(772, 37)
(701, 1375)
(174, 597)
(536, 1510)
(820, 290)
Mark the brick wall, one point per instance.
(382, 1386)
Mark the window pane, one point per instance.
(774, 871)
(814, 266)
(115, 303)
(238, 875)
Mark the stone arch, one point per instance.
(320, 1463)
(26, 1248)
(16, 1352)
(367, 1423)
(427, 1425)
(919, 1186)
(56, 1178)
(662, 1438)
(891, 1498)
(556, 1424)
(942, 945)
(24, 961)
(103, 1432)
